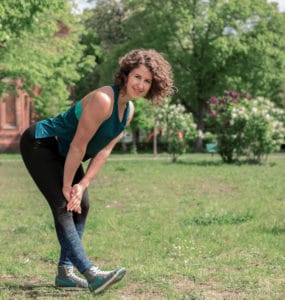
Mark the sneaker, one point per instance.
(99, 281)
(66, 278)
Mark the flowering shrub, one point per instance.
(245, 126)
(177, 127)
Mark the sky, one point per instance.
(281, 4)
(84, 4)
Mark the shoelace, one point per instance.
(72, 276)
(76, 278)
(97, 271)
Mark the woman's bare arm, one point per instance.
(97, 107)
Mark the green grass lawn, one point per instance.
(197, 229)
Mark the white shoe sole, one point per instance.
(117, 277)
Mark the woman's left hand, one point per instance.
(75, 198)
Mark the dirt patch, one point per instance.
(183, 285)
(200, 290)
(14, 288)
(137, 291)
(212, 292)
(218, 188)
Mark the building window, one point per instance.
(10, 112)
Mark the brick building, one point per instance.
(16, 110)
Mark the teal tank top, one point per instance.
(64, 126)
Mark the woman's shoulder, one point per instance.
(100, 99)
(104, 93)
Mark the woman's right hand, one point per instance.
(69, 193)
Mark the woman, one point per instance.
(53, 150)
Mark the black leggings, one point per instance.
(46, 165)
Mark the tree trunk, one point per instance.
(135, 135)
(200, 124)
(155, 141)
(123, 147)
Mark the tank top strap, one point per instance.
(115, 110)
(116, 92)
(126, 114)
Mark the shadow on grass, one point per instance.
(275, 230)
(201, 163)
(218, 163)
(36, 290)
(215, 219)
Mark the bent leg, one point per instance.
(45, 165)
(79, 219)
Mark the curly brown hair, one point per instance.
(162, 82)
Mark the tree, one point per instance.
(47, 54)
(103, 33)
(16, 16)
(106, 18)
(213, 46)
(90, 76)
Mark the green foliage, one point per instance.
(17, 16)
(46, 54)
(142, 122)
(87, 66)
(246, 126)
(144, 115)
(177, 127)
(105, 22)
(92, 41)
(107, 19)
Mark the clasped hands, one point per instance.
(73, 195)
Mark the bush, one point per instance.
(177, 128)
(245, 126)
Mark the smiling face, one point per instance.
(139, 82)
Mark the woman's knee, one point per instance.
(85, 203)
(62, 215)
(85, 207)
